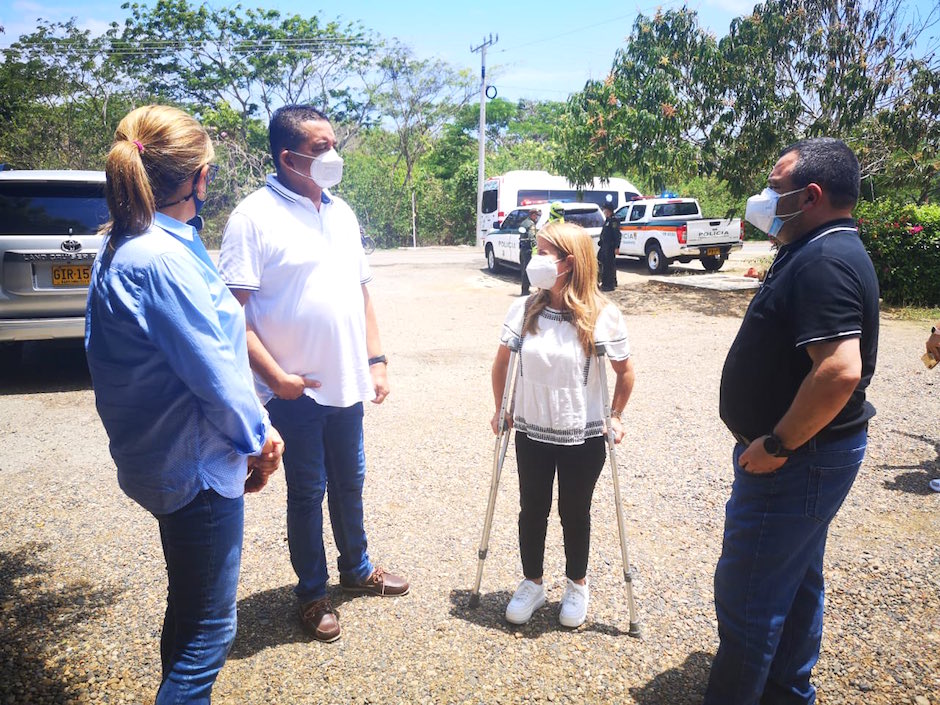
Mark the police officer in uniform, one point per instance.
(609, 242)
(526, 243)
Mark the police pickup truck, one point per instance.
(663, 230)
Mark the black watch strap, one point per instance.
(774, 446)
(377, 359)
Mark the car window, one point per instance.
(513, 221)
(51, 208)
(637, 212)
(622, 212)
(670, 209)
(489, 200)
(586, 218)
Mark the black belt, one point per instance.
(822, 436)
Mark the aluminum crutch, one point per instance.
(499, 455)
(621, 524)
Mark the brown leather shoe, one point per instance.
(320, 620)
(379, 583)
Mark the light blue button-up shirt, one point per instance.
(168, 357)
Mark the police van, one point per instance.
(507, 192)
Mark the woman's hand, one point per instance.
(494, 422)
(263, 466)
(617, 427)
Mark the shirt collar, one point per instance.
(808, 237)
(183, 231)
(285, 193)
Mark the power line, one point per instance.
(123, 47)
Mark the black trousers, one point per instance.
(607, 260)
(578, 469)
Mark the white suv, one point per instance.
(501, 246)
(49, 223)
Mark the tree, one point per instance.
(253, 61)
(418, 98)
(651, 116)
(61, 97)
(678, 102)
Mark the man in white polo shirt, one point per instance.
(291, 254)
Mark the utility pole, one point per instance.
(481, 173)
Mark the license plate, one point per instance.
(713, 251)
(71, 275)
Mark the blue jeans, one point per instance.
(202, 544)
(322, 453)
(769, 587)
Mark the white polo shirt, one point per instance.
(306, 269)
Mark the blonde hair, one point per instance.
(156, 149)
(580, 295)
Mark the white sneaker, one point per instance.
(574, 605)
(528, 597)
(934, 485)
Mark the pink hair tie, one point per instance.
(140, 147)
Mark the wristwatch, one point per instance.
(774, 446)
(377, 359)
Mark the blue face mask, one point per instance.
(200, 202)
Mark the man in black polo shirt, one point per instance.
(793, 396)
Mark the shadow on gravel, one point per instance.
(655, 297)
(683, 684)
(270, 618)
(36, 619)
(915, 482)
(44, 366)
(267, 619)
(489, 613)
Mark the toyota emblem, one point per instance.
(71, 246)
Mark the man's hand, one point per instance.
(292, 386)
(756, 461)
(379, 372)
(263, 466)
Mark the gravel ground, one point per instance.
(82, 580)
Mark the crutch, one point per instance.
(499, 455)
(621, 524)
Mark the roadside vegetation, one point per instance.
(681, 110)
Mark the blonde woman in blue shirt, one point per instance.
(169, 364)
(558, 411)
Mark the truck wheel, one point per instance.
(656, 262)
(712, 264)
(491, 263)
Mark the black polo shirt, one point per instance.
(821, 287)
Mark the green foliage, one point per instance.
(903, 240)
(61, 98)
(678, 103)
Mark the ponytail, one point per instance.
(130, 198)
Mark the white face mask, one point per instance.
(326, 170)
(542, 271)
(761, 211)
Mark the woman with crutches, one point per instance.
(558, 409)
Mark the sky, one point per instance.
(546, 49)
